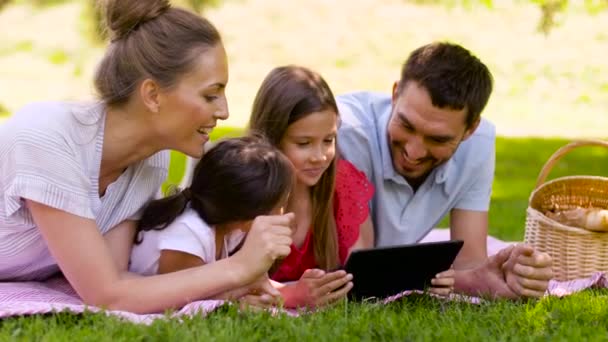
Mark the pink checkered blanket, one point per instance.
(56, 294)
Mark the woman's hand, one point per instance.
(443, 283)
(268, 239)
(317, 288)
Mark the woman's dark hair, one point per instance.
(236, 180)
(454, 78)
(150, 39)
(288, 94)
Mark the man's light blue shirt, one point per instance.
(399, 214)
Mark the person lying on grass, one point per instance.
(429, 154)
(296, 110)
(75, 176)
(236, 187)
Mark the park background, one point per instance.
(549, 59)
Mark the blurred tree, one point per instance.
(92, 16)
(3, 3)
(92, 22)
(3, 110)
(549, 9)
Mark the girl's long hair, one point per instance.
(287, 95)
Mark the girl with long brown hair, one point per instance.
(296, 110)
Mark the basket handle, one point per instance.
(562, 152)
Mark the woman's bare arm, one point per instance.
(86, 260)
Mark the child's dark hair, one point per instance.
(237, 180)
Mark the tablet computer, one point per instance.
(386, 271)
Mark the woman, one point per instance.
(74, 177)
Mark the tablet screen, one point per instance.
(386, 271)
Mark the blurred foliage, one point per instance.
(92, 14)
(549, 11)
(3, 110)
(551, 8)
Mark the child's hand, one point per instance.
(268, 239)
(261, 294)
(317, 288)
(443, 283)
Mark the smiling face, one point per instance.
(422, 136)
(190, 110)
(310, 145)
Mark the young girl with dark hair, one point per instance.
(235, 182)
(75, 176)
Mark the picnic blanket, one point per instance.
(56, 294)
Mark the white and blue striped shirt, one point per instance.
(51, 153)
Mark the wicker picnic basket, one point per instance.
(576, 252)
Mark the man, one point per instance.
(429, 153)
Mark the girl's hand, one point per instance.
(260, 294)
(317, 288)
(268, 239)
(443, 283)
(261, 286)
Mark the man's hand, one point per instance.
(317, 288)
(514, 272)
(527, 272)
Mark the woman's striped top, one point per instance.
(51, 153)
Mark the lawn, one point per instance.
(546, 87)
(582, 316)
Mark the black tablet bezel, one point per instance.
(385, 271)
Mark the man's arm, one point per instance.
(472, 228)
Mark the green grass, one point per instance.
(543, 88)
(576, 318)
(582, 316)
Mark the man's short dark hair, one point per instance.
(454, 78)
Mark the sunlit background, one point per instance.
(547, 84)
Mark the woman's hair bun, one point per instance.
(124, 16)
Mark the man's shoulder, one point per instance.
(485, 130)
(362, 108)
(476, 153)
(481, 143)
